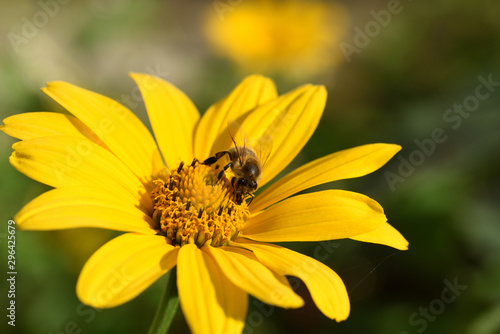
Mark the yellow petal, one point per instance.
(245, 271)
(350, 163)
(42, 124)
(123, 268)
(235, 305)
(384, 235)
(326, 287)
(84, 206)
(290, 120)
(62, 161)
(172, 115)
(322, 215)
(209, 301)
(117, 126)
(212, 135)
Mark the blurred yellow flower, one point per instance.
(107, 172)
(298, 38)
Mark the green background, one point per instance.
(397, 89)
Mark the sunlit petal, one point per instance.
(84, 206)
(117, 126)
(290, 120)
(384, 235)
(123, 268)
(212, 135)
(323, 215)
(243, 269)
(209, 301)
(326, 288)
(350, 163)
(62, 161)
(43, 124)
(172, 115)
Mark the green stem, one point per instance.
(167, 307)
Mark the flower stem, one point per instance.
(167, 307)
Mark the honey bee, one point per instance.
(246, 159)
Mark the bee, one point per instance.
(246, 159)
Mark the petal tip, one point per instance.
(404, 246)
(392, 149)
(259, 80)
(52, 86)
(136, 75)
(395, 147)
(256, 76)
(320, 92)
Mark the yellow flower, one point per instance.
(107, 172)
(294, 37)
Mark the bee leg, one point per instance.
(252, 196)
(221, 173)
(238, 194)
(216, 157)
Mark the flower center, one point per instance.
(192, 206)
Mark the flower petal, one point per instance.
(212, 135)
(326, 287)
(235, 305)
(245, 271)
(322, 215)
(384, 235)
(290, 120)
(43, 124)
(350, 163)
(117, 126)
(172, 115)
(73, 207)
(123, 268)
(61, 161)
(209, 301)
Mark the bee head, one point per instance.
(246, 186)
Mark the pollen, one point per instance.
(191, 205)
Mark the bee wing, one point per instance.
(263, 147)
(239, 138)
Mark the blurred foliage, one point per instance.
(396, 89)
